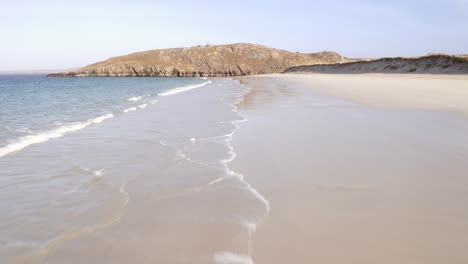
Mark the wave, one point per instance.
(135, 99)
(95, 173)
(183, 89)
(100, 119)
(129, 109)
(29, 140)
(142, 106)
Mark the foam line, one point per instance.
(23, 142)
(183, 89)
(135, 99)
(229, 257)
(129, 109)
(250, 227)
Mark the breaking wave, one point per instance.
(26, 141)
(183, 89)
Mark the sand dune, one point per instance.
(434, 64)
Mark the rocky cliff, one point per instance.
(432, 64)
(206, 61)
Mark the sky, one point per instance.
(66, 34)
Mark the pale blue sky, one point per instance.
(56, 34)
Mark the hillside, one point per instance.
(207, 61)
(432, 64)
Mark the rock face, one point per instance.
(433, 64)
(204, 61)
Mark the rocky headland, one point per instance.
(204, 61)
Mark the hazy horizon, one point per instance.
(51, 35)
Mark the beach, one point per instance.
(357, 168)
(286, 168)
(234, 132)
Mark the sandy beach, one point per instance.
(357, 168)
(326, 169)
(234, 132)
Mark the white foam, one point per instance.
(129, 109)
(228, 257)
(135, 99)
(232, 258)
(249, 225)
(29, 140)
(97, 173)
(215, 181)
(100, 119)
(183, 89)
(134, 108)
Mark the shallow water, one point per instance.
(35, 108)
(150, 183)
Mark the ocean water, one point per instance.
(35, 108)
(123, 170)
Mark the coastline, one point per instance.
(354, 178)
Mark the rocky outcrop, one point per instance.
(432, 64)
(204, 61)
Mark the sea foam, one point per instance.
(23, 142)
(129, 109)
(135, 99)
(183, 89)
(232, 258)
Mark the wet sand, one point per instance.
(357, 168)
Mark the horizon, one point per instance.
(55, 36)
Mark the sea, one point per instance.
(123, 170)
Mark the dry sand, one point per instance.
(397, 91)
(358, 168)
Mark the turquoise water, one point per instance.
(34, 108)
